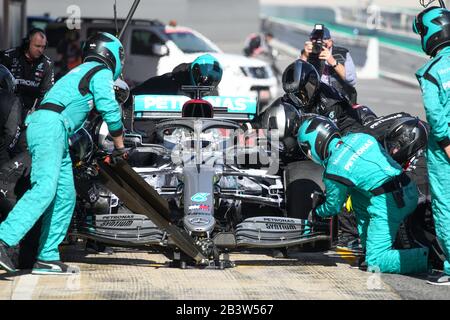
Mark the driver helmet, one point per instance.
(301, 82)
(433, 26)
(285, 118)
(314, 137)
(105, 48)
(205, 71)
(7, 80)
(405, 138)
(121, 90)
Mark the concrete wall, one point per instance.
(224, 22)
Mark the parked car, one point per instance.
(153, 48)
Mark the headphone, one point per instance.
(26, 41)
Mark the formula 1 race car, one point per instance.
(222, 188)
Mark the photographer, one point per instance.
(334, 64)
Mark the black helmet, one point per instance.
(433, 26)
(7, 81)
(285, 118)
(301, 82)
(314, 137)
(105, 48)
(122, 91)
(405, 138)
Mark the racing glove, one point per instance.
(318, 198)
(119, 154)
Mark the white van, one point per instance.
(152, 48)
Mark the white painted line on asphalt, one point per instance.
(409, 80)
(395, 90)
(396, 102)
(73, 282)
(373, 100)
(25, 287)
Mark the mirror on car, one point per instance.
(160, 50)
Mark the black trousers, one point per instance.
(347, 225)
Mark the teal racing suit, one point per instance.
(62, 112)
(358, 166)
(434, 79)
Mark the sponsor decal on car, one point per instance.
(202, 207)
(200, 197)
(174, 103)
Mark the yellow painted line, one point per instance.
(347, 255)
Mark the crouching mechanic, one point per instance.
(62, 112)
(433, 26)
(382, 195)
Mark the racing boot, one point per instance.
(96, 247)
(439, 279)
(53, 268)
(5, 260)
(349, 243)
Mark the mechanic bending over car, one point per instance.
(334, 64)
(304, 89)
(433, 26)
(205, 70)
(382, 195)
(33, 72)
(62, 112)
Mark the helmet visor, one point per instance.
(206, 74)
(308, 92)
(306, 149)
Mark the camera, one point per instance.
(317, 39)
(317, 42)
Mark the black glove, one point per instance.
(317, 199)
(311, 215)
(119, 154)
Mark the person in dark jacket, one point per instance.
(304, 89)
(10, 114)
(33, 72)
(203, 71)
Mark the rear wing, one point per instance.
(170, 106)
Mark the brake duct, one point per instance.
(141, 198)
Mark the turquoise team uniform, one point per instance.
(357, 165)
(53, 193)
(434, 78)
